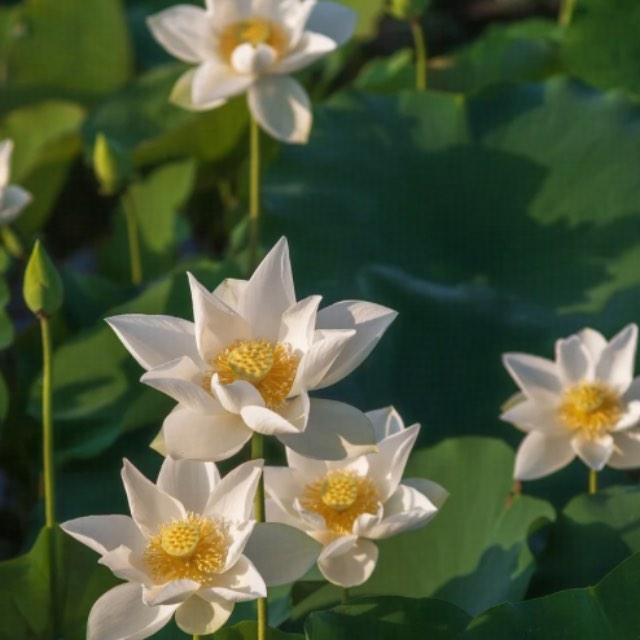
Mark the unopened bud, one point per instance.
(42, 289)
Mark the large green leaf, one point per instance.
(76, 48)
(475, 553)
(608, 611)
(592, 535)
(601, 44)
(388, 619)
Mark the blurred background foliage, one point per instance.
(497, 211)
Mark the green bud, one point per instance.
(42, 289)
(110, 164)
(407, 9)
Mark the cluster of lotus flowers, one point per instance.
(246, 365)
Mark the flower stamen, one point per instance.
(253, 31)
(592, 409)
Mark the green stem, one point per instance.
(128, 205)
(567, 8)
(196, 637)
(344, 596)
(254, 194)
(47, 457)
(593, 482)
(257, 451)
(12, 242)
(420, 42)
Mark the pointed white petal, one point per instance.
(182, 94)
(298, 323)
(126, 565)
(150, 507)
(281, 554)
(240, 534)
(105, 533)
(232, 498)
(200, 617)
(197, 436)
(155, 340)
(311, 47)
(348, 561)
(6, 151)
(269, 292)
(282, 484)
(631, 417)
(368, 320)
(307, 467)
(332, 20)
(626, 451)
(12, 202)
(334, 431)
(236, 395)
(574, 361)
(290, 420)
(594, 453)
(214, 83)
(617, 361)
(242, 583)
(175, 592)
(437, 495)
(540, 454)
(594, 342)
(385, 422)
(120, 614)
(232, 292)
(190, 481)
(529, 415)
(253, 60)
(217, 325)
(282, 107)
(538, 378)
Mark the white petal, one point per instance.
(617, 361)
(387, 466)
(239, 534)
(242, 583)
(307, 467)
(368, 320)
(269, 423)
(630, 418)
(332, 20)
(190, 481)
(282, 484)
(538, 378)
(385, 422)
(233, 496)
(249, 60)
(155, 340)
(594, 342)
(6, 151)
(335, 431)
(181, 380)
(282, 107)
(298, 324)
(201, 617)
(633, 391)
(12, 201)
(216, 324)
(626, 451)
(276, 513)
(197, 436)
(540, 454)
(150, 507)
(214, 83)
(311, 47)
(227, 11)
(529, 415)
(175, 592)
(574, 362)
(437, 495)
(348, 561)
(126, 565)
(236, 395)
(232, 292)
(594, 453)
(185, 31)
(269, 292)
(281, 554)
(105, 533)
(182, 93)
(120, 614)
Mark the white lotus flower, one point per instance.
(348, 505)
(586, 403)
(248, 361)
(182, 552)
(252, 46)
(13, 199)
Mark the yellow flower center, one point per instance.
(340, 497)
(253, 31)
(270, 367)
(592, 409)
(191, 549)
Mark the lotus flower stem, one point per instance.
(254, 194)
(128, 204)
(420, 43)
(344, 596)
(257, 451)
(567, 8)
(593, 482)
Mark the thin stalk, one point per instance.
(420, 43)
(47, 459)
(12, 242)
(344, 596)
(567, 7)
(254, 194)
(593, 482)
(196, 637)
(257, 451)
(135, 257)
